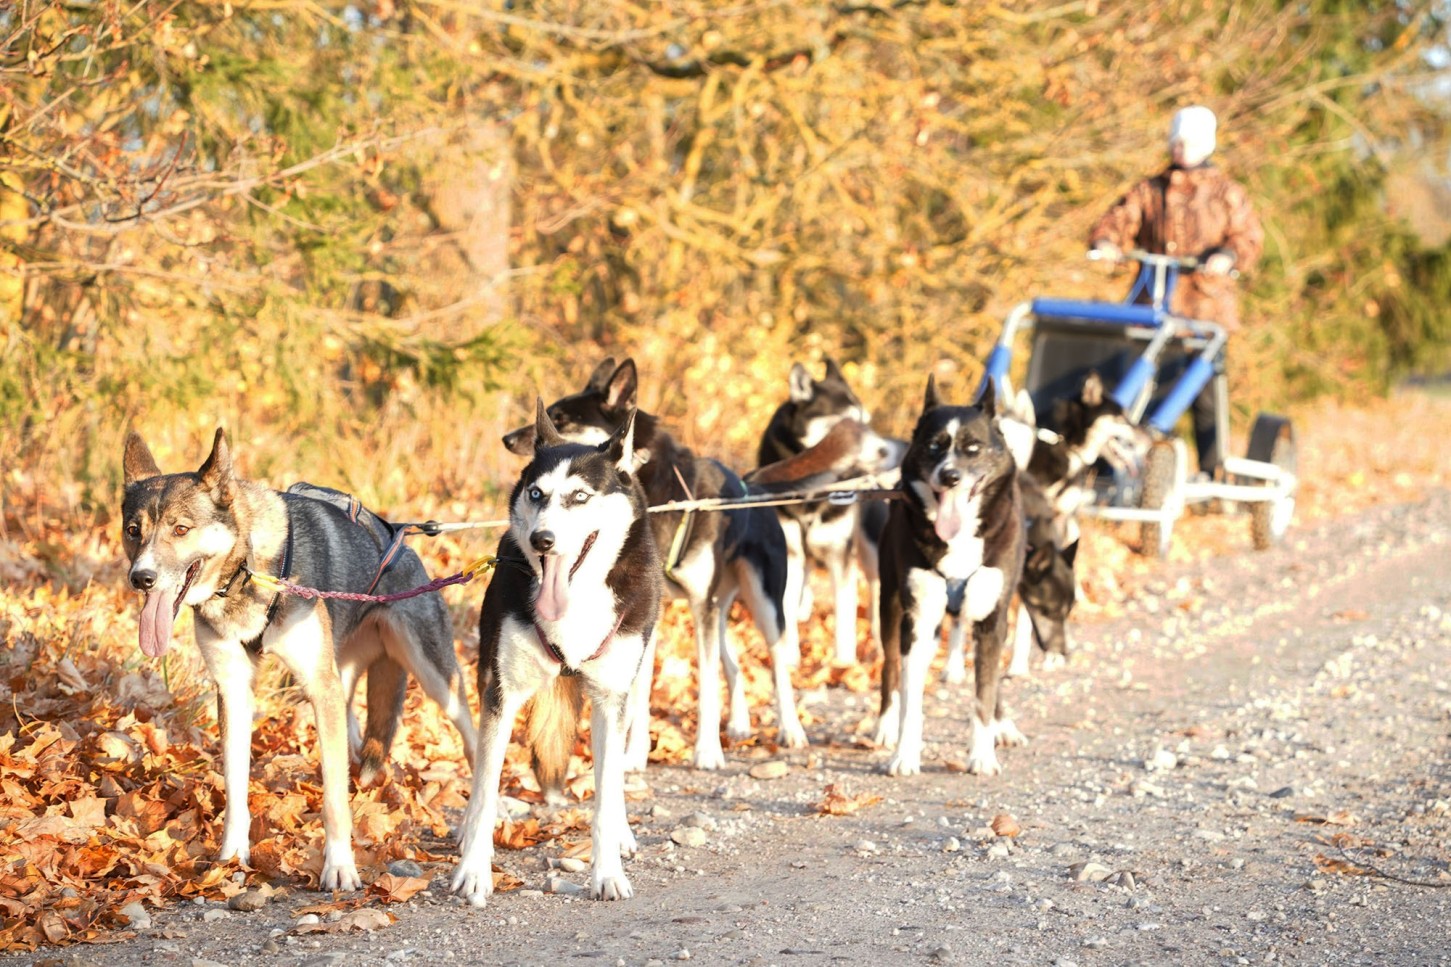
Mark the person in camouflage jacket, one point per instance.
(1191, 209)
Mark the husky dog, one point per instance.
(571, 607)
(197, 538)
(1049, 588)
(1083, 430)
(1047, 593)
(957, 533)
(821, 532)
(709, 559)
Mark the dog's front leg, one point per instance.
(921, 629)
(473, 878)
(231, 669)
(611, 824)
(955, 671)
(307, 650)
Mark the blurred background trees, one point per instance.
(363, 236)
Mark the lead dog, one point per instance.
(709, 559)
(955, 536)
(197, 538)
(572, 605)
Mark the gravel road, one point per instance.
(1245, 767)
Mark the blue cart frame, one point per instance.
(1132, 345)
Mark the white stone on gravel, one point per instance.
(1089, 871)
(689, 836)
(136, 915)
(1162, 760)
(563, 887)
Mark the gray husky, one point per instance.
(570, 609)
(197, 538)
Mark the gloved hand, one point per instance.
(1106, 251)
(1220, 263)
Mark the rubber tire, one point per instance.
(1272, 441)
(1159, 475)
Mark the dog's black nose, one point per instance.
(143, 580)
(950, 477)
(542, 541)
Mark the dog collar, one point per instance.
(255, 645)
(554, 652)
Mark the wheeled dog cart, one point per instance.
(1157, 363)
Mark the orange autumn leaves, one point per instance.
(110, 787)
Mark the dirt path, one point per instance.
(1220, 742)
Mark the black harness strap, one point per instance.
(254, 646)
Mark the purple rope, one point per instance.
(434, 585)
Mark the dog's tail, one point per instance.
(551, 731)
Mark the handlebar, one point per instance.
(1154, 260)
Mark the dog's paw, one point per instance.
(235, 848)
(611, 887)
(1005, 732)
(954, 673)
(903, 764)
(984, 765)
(340, 876)
(792, 736)
(1053, 661)
(474, 881)
(886, 733)
(709, 755)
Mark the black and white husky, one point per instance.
(821, 532)
(572, 606)
(954, 541)
(708, 558)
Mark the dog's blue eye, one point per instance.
(535, 494)
(581, 496)
(973, 448)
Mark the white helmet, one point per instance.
(1194, 129)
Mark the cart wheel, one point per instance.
(1272, 441)
(1160, 473)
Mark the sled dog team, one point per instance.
(984, 514)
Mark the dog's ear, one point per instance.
(1023, 407)
(988, 402)
(216, 470)
(601, 375)
(930, 401)
(621, 389)
(545, 434)
(833, 371)
(1069, 553)
(1092, 389)
(138, 463)
(801, 384)
(620, 447)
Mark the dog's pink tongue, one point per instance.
(156, 618)
(951, 512)
(553, 588)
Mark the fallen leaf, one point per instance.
(1005, 825)
(397, 889)
(837, 802)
